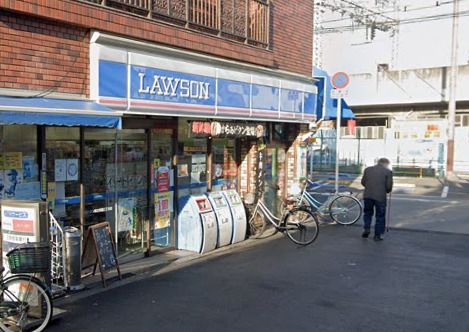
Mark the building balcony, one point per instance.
(245, 21)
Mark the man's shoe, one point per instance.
(366, 233)
(378, 238)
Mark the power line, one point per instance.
(360, 14)
(370, 10)
(406, 10)
(401, 22)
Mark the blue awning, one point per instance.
(326, 106)
(57, 112)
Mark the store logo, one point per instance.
(15, 214)
(174, 87)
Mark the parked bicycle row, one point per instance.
(300, 212)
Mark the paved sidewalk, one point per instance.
(137, 267)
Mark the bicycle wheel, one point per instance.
(257, 225)
(345, 210)
(26, 305)
(301, 226)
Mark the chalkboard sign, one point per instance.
(105, 247)
(99, 250)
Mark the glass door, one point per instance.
(274, 177)
(63, 155)
(162, 184)
(99, 179)
(131, 189)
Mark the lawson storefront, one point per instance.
(191, 124)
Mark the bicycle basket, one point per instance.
(31, 257)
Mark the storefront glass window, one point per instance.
(225, 168)
(19, 173)
(191, 161)
(63, 155)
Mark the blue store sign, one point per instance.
(167, 92)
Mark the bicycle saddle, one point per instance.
(290, 200)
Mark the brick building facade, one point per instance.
(44, 44)
(121, 109)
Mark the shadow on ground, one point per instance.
(412, 281)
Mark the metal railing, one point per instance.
(258, 21)
(205, 13)
(247, 21)
(58, 253)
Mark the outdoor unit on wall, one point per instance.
(371, 132)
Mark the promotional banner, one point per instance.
(162, 179)
(19, 225)
(162, 210)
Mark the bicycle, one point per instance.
(25, 301)
(300, 225)
(344, 209)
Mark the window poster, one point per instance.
(28, 190)
(126, 214)
(13, 160)
(162, 210)
(2, 184)
(183, 170)
(60, 170)
(199, 168)
(30, 169)
(72, 169)
(11, 179)
(162, 179)
(51, 195)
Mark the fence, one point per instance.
(410, 157)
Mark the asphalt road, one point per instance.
(430, 213)
(417, 204)
(413, 281)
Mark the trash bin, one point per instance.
(73, 258)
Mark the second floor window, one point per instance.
(258, 21)
(205, 13)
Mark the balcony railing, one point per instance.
(247, 21)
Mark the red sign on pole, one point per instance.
(340, 80)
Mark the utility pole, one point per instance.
(337, 143)
(452, 89)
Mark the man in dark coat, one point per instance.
(378, 182)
